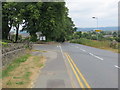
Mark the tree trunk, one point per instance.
(17, 29)
(6, 28)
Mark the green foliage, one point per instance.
(3, 43)
(50, 18)
(94, 37)
(77, 35)
(117, 39)
(109, 38)
(26, 39)
(27, 75)
(11, 18)
(98, 44)
(55, 22)
(20, 83)
(33, 37)
(115, 34)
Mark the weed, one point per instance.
(9, 83)
(17, 77)
(20, 83)
(14, 64)
(27, 75)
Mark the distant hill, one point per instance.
(20, 32)
(100, 28)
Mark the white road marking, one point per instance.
(83, 50)
(68, 70)
(78, 47)
(88, 52)
(91, 54)
(96, 56)
(117, 66)
(62, 51)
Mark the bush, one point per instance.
(94, 38)
(26, 39)
(109, 38)
(62, 39)
(33, 39)
(117, 39)
(114, 44)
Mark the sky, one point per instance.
(82, 11)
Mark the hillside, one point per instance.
(101, 28)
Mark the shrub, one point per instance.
(33, 39)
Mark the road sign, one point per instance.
(98, 30)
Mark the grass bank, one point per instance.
(22, 72)
(97, 44)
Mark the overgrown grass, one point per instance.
(95, 43)
(16, 63)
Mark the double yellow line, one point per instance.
(77, 73)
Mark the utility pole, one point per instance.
(97, 24)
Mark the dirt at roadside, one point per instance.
(25, 75)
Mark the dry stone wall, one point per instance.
(13, 51)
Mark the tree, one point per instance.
(31, 16)
(7, 18)
(55, 23)
(17, 18)
(50, 18)
(114, 34)
(11, 18)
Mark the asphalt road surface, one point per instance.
(71, 65)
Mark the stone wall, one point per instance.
(13, 51)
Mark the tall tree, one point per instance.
(51, 18)
(55, 21)
(31, 15)
(7, 18)
(17, 18)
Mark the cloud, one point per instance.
(82, 11)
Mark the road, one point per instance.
(72, 65)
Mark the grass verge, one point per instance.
(22, 72)
(16, 63)
(97, 44)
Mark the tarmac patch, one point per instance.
(56, 83)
